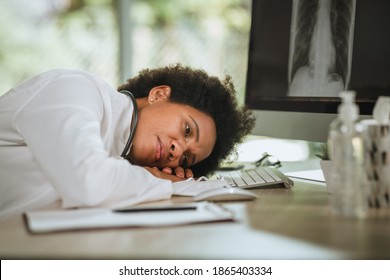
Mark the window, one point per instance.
(117, 38)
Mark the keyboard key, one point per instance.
(272, 174)
(264, 175)
(255, 176)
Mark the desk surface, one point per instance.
(281, 224)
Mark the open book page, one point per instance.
(192, 187)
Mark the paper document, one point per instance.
(86, 218)
(313, 175)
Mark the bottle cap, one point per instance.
(348, 110)
(382, 110)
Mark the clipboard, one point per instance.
(45, 221)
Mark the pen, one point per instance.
(156, 208)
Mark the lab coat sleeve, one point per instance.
(61, 126)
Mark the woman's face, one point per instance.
(171, 135)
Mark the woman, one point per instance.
(62, 134)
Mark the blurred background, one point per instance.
(115, 39)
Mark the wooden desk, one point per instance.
(281, 224)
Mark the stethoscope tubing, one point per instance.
(133, 125)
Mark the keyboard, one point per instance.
(255, 178)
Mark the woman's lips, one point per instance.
(158, 153)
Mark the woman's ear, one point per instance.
(159, 93)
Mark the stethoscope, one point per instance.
(133, 125)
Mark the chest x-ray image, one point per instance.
(321, 46)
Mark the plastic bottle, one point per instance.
(348, 180)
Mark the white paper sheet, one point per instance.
(313, 175)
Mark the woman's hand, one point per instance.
(176, 175)
(179, 172)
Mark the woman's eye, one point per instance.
(184, 161)
(187, 130)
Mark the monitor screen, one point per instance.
(302, 53)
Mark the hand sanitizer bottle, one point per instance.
(348, 181)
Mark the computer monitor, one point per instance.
(302, 53)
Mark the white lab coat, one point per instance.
(61, 136)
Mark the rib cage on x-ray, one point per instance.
(306, 19)
(339, 16)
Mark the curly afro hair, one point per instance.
(208, 94)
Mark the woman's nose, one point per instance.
(175, 151)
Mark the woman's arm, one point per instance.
(61, 126)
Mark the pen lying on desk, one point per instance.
(157, 208)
